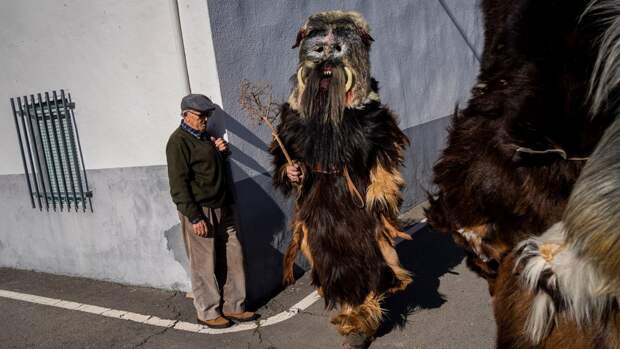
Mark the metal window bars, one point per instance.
(52, 159)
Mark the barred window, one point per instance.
(51, 153)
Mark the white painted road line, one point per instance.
(154, 320)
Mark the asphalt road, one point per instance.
(447, 306)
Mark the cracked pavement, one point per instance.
(446, 306)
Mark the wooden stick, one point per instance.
(251, 101)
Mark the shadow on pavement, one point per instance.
(428, 256)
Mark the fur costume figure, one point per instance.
(562, 289)
(515, 152)
(350, 150)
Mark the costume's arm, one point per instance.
(280, 178)
(383, 195)
(177, 156)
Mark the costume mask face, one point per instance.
(334, 69)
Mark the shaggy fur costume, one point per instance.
(515, 152)
(350, 149)
(562, 289)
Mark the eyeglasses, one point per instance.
(205, 115)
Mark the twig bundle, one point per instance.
(257, 101)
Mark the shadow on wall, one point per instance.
(429, 255)
(262, 226)
(261, 215)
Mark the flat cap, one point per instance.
(197, 102)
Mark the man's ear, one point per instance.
(301, 34)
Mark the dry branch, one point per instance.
(258, 102)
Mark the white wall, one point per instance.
(122, 61)
(133, 236)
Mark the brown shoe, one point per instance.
(242, 317)
(218, 322)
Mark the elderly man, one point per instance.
(200, 188)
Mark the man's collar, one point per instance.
(193, 132)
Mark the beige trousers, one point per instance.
(221, 245)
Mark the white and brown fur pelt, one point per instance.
(516, 150)
(350, 149)
(562, 289)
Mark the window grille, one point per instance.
(52, 158)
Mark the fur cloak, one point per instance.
(562, 289)
(350, 150)
(516, 150)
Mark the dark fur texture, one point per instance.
(321, 104)
(531, 92)
(348, 264)
(350, 149)
(562, 290)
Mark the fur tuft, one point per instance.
(539, 321)
(364, 318)
(592, 215)
(291, 253)
(562, 283)
(383, 193)
(337, 15)
(606, 76)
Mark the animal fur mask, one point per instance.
(334, 67)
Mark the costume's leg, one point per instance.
(305, 249)
(392, 231)
(291, 253)
(201, 256)
(364, 318)
(391, 258)
(230, 249)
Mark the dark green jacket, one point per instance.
(197, 174)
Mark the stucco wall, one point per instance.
(122, 61)
(124, 64)
(124, 240)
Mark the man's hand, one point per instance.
(201, 228)
(220, 144)
(294, 174)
